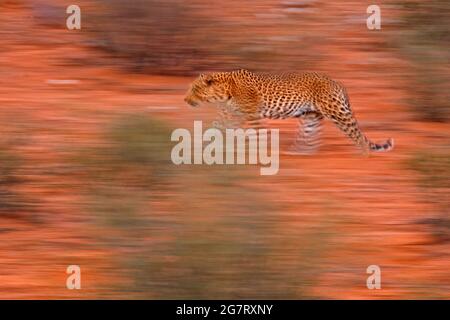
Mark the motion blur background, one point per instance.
(86, 176)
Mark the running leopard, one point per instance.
(308, 96)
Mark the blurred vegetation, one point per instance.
(8, 178)
(424, 38)
(12, 203)
(191, 231)
(434, 170)
(179, 37)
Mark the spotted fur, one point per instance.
(307, 96)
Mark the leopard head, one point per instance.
(212, 88)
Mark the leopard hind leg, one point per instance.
(344, 119)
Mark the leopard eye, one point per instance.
(209, 81)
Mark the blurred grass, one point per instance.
(8, 178)
(424, 39)
(191, 232)
(178, 38)
(434, 170)
(12, 203)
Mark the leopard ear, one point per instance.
(208, 79)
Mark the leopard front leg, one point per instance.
(225, 119)
(308, 136)
(230, 116)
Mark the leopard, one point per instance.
(248, 97)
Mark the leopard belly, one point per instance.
(290, 110)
